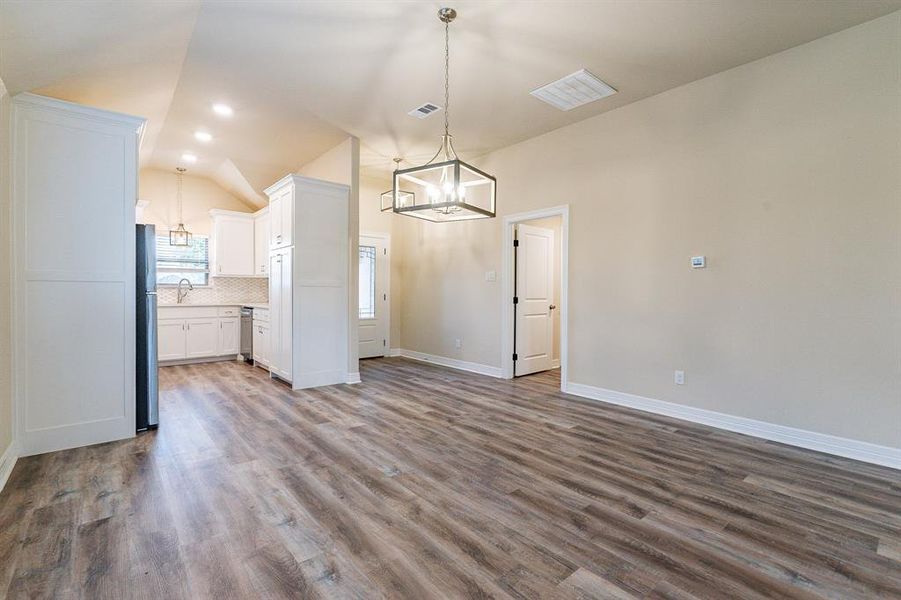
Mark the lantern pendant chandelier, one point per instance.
(404, 198)
(180, 236)
(450, 189)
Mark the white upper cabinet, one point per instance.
(261, 243)
(232, 244)
(281, 215)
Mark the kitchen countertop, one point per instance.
(186, 304)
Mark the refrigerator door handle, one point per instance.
(153, 405)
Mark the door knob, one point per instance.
(552, 306)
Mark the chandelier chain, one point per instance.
(178, 194)
(446, 77)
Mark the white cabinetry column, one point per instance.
(74, 172)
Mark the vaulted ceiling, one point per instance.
(301, 76)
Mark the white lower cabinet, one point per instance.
(280, 313)
(261, 343)
(202, 337)
(189, 332)
(171, 339)
(229, 335)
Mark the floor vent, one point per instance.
(573, 90)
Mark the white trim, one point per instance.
(302, 179)
(830, 444)
(507, 287)
(394, 352)
(197, 361)
(353, 378)
(453, 363)
(27, 100)
(7, 462)
(555, 364)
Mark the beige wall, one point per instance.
(6, 414)
(341, 164)
(199, 195)
(785, 173)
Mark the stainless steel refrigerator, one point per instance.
(147, 410)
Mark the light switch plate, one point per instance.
(490, 275)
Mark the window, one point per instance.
(174, 263)
(367, 282)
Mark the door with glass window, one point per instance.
(374, 297)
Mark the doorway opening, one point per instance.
(535, 281)
(374, 321)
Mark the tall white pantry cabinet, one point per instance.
(74, 189)
(308, 269)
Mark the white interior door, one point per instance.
(534, 294)
(375, 303)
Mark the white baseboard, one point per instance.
(453, 363)
(394, 352)
(7, 462)
(821, 442)
(197, 361)
(353, 378)
(555, 364)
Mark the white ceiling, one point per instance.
(301, 76)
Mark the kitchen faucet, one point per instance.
(181, 295)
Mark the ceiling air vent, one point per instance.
(573, 90)
(421, 112)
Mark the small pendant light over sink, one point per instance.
(449, 189)
(180, 236)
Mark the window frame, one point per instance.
(206, 271)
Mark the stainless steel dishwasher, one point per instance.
(247, 334)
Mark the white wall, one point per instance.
(341, 164)
(784, 172)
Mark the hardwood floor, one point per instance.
(424, 482)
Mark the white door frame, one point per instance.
(507, 325)
(386, 237)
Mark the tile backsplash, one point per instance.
(221, 290)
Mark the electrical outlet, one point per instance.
(679, 377)
(458, 344)
(490, 275)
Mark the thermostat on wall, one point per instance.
(698, 262)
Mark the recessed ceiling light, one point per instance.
(203, 136)
(574, 90)
(223, 110)
(189, 158)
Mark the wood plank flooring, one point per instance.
(424, 482)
